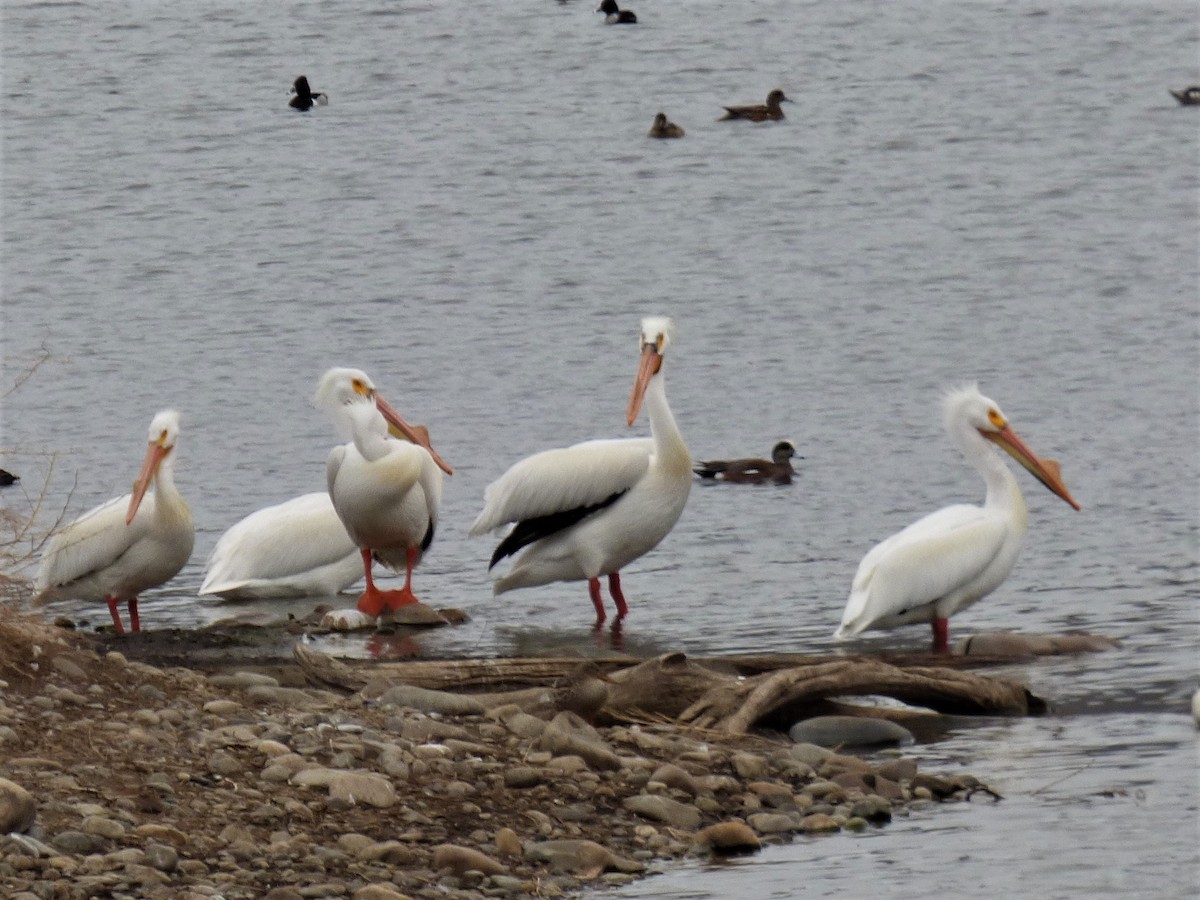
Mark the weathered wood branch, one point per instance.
(675, 687)
(784, 694)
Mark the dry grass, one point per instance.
(23, 531)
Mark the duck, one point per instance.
(7, 478)
(305, 96)
(1189, 96)
(664, 128)
(767, 112)
(776, 470)
(614, 15)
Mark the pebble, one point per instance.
(17, 807)
(819, 822)
(773, 823)
(664, 809)
(362, 787)
(587, 859)
(460, 860)
(429, 701)
(729, 838)
(508, 844)
(673, 776)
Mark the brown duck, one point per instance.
(767, 112)
(777, 470)
(663, 128)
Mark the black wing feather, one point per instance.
(530, 530)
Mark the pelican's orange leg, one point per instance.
(373, 601)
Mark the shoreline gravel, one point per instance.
(119, 779)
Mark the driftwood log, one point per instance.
(707, 694)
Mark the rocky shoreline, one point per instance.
(120, 779)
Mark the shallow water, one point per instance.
(981, 191)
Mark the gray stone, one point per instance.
(586, 859)
(664, 809)
(523, 777)
(898, 770)
(430, 701)
(673, 776)
(362, 787)
(460, 860)
(77, 842)
(103, 826)
(849, 731)
(873, 808)
(748, 765)
(774, 823)
(162, 857)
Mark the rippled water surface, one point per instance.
(1000, 192)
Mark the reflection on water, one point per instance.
(962, 191)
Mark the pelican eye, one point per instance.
(996, 419)
(660, 341)
(360, 387)
(162, 438)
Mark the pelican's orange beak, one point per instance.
(648, 366)
(419, 434)
(1047, 471)
(155, 453)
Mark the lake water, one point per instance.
(1000, 192)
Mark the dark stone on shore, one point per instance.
(849, 731)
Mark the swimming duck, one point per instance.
(778, 469)
(613, 15)
(662, 128)
(1189, 96)
(7, 479)
(305, 96)
(770, 111)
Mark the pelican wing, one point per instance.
(284, 541)
(431, 481)
(333, 463)
(928, 560)
(92, 542)
(564, 479)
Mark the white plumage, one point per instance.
(592, 508)
(385, 491)
(127, 545)
(298, 548)
(952, 558)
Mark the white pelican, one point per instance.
(951, 558)
(385, 491)
(124, 546)
(295, 549)
(591, 509)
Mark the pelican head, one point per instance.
(341, 387)
(657, 334)
(163, 432)
(968, 405)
